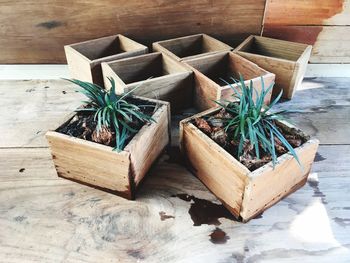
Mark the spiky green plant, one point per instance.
(112, 111)
(253, 121)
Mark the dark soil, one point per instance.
(213, 126)
(83, 125)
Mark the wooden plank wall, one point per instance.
(322, 23)
(34, 31)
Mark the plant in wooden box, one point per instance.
(246, 155)
(111, 141)
(288, 60)
(84, 58)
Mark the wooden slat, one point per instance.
(45, 27)
(321, 23)
(308, 12)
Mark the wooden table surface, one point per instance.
(44, 218)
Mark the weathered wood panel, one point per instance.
(321, 23)
(36, 31)
(308, 12)
(47, 219)
(29, 108)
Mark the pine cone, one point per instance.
(103, 136)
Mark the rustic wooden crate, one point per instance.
(208, 71)
(188, 47)
(84, 58)
(244, 193)
(288, 60)
(98, 166)
(157, 75)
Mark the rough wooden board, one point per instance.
(45, 27)
(322, 23)
(308, 12)
(29, 108)
(47, 219)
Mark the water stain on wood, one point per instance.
(319, 158)
(22, 170)
(20, 218)
(344, 222)
(204, 211)
(135, 253)
(317, 192)
(50, 24)
(164, 216)
(301, 24)
(30, 90)
(218, 236)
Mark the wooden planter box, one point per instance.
(244, 193)
(84, 58)
(288, 60)
(184, 48)
(158, 76)
(98, 166)
(208, 70)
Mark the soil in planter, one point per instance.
(213, 126)
(83, 125)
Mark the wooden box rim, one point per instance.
(222, 88)
(159, 43)
(251, 37)
(250, 174)
(108, 64)
(71, 47)
(126, 151)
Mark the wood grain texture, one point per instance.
(29, 108)
(309, 12)
(48, 219)
(313, 22)
(44, 218)
(45, 27)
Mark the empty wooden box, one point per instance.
(99, 166)
(84, 58)
(184, 48)
(211, 69)
(157, 75)
(244, 193)
(288, 60)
